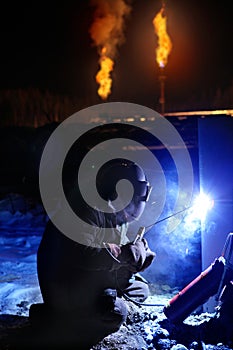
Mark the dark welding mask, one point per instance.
(144, 190)
(117, 169)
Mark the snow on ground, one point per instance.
(21, 226)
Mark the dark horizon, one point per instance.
(47, 47)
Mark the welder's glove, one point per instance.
(150, 255)
(114, 249)
(136, 257)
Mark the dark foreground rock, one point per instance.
(145, 328)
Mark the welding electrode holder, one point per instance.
(209, 283)
(140, 234)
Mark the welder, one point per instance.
(84, 286)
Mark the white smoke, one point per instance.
(107, 29)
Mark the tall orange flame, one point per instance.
(164, 42)
(103, 77)
(107, 33)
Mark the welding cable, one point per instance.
(138, 303)
(228, 245)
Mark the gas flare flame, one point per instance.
(107, 34)
(103, 77)
(164, 42)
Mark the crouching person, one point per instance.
(83, 284)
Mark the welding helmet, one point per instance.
(117, 169)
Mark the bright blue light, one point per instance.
(196, 214)
(202, 204)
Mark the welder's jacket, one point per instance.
(73, 276)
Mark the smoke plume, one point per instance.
(107, 33)
(107, 29)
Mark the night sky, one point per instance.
(47, 45)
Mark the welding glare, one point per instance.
(195, 213)
(202, 204)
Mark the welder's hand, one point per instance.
(137, 256)
(115, 249)
(150, 255)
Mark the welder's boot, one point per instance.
(38, 314)
(113, 309)
(56, 329)
(137, 289)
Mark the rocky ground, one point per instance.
(146, 327)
